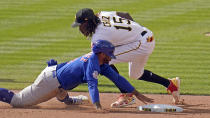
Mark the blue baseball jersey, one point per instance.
(86, 69)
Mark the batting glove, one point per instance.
(51, 62)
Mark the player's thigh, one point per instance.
(136, 68)
(44, 88)
(125, 53)
(125, 57)
(132, 52)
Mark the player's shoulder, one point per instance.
(90, 56)
(107, 13)
(93, 62)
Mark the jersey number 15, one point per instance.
(106, 22)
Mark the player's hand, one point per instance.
(99, 109)
(98, 106)
(143, 98)
(51, 62)
(102, 111)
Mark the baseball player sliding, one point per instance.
(133, 42)
(55, 79)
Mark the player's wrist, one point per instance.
(135, 92)
(98, 105)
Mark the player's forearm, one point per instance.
(93, 91)
(141, 97)
(125, 15)
(135, 92)
(94, 94)
(117, 79)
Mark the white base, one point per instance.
(160, 108)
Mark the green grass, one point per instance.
(34, 31)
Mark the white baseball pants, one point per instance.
(136, 54)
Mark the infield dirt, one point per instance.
(194, 107)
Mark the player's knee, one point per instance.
(17, 101)
(146, 75)
(135, 75)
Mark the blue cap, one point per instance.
(105, 47)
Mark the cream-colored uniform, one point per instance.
(133, 42)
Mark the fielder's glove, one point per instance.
(52, 62)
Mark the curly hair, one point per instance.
(91, 26)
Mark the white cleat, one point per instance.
(80, 99)
(124, 100)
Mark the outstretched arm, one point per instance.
(125, 15)
(123, 84)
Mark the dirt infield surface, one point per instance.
(195, 107)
